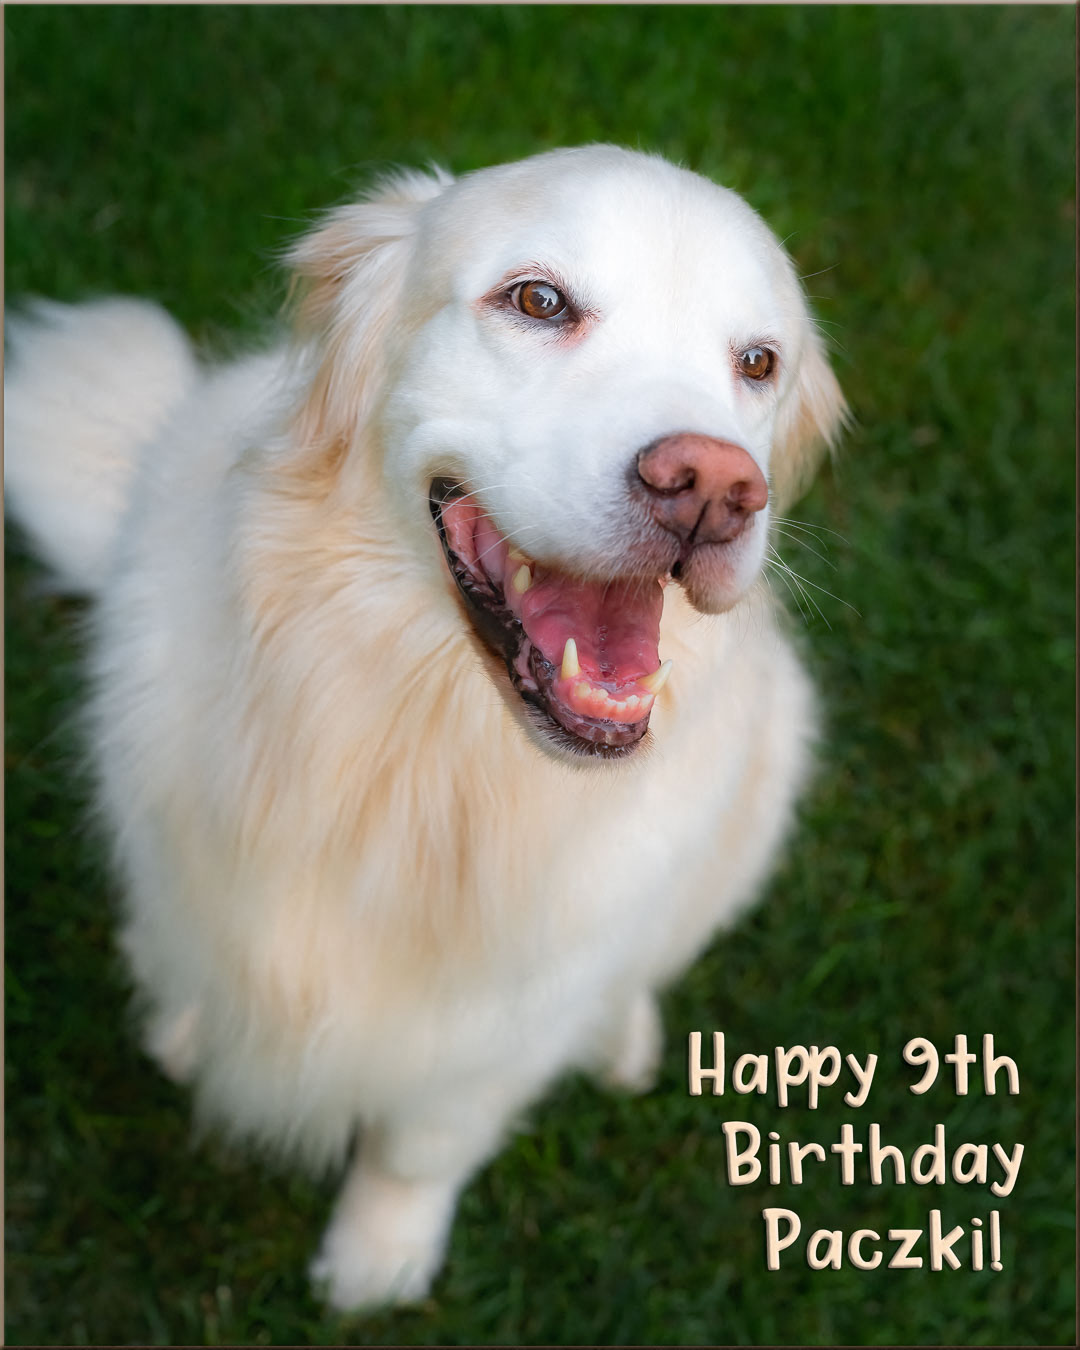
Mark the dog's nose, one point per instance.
(703, 490)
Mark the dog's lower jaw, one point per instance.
(599, 712)
(581, 739)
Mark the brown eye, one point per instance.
(539, 300)
(757, 363)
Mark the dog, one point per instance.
(440, 712)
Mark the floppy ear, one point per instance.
(349, 272)
(810, 420)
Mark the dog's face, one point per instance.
(595, 373)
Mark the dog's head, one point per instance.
(590, 374)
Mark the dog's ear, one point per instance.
(809, 422)
(348, 275)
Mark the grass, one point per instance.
(919, 162)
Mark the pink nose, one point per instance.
(703, 490)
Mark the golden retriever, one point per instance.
(440, 713)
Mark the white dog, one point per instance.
(424, 769)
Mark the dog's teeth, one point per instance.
(570, 666)
(516, 555)
(522, 579)
(656, 681)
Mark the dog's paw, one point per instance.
(172, 1043)
(634, 1062)
(353, 1274)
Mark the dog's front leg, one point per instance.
(386, 1240)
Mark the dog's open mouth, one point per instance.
(582, 654)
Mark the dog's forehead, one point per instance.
(605, 218)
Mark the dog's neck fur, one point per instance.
(353, 754)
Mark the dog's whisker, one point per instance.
(529, 529)
(790, 572)
(808, 546)
(804, 581)
(792, 579)
(803, 613)
(810, 529)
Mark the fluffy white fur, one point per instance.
(362, 899)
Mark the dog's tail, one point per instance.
(86, 389)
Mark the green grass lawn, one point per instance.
(919, 161)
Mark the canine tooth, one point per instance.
(522, 579)
(656, 681)
(570, 666)
(516, 555)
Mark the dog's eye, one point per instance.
(757, 362)
(539, 300)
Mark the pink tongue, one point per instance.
(615, 624)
